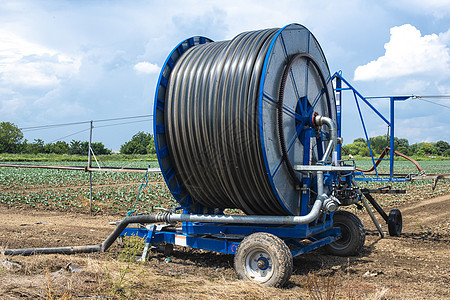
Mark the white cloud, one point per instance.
(407, 53)
(444, 88)
(445, 37)
(411, 86)
(29, 65)
(146, 67)
(437, 8)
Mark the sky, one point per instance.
(67, 61)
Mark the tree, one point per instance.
(77, 147)
(360, 139)
(82, 148)
(412, 149)
(427, 148)
(379, 143)
(10, 138)
(441, 147)
(59, 147)
(447, 152)
(401, 142)
(140, 143)
(357, 148)
(99, 148)
(36, 147)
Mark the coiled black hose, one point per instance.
(212, 124)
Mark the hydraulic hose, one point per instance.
(380, 159)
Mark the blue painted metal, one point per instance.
(383, 179)
(365, 133)
(261, 129)
(331, 235)
(338, 89)
(339, 115)
(225, 238)
(297, 231)
(162, 152)
(350, 87)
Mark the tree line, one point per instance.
(379, 143)
(12, 141)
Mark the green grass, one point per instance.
(397, 158)
(44, 157)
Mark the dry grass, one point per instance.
(118, 275)
(112, 278)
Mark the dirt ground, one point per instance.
(415, 265)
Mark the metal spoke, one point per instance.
(306, 85)
(291, 75)
(298, 130)
(316, 99)
(286, 110)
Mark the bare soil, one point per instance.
(415, 265)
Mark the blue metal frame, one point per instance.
(225, 238)
(162, 152)
(338, 89)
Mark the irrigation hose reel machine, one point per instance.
(250, 124)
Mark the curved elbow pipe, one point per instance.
(321, 120)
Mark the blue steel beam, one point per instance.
(362, 97)
(338, 115)
(339, 79)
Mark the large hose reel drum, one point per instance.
(233, 117)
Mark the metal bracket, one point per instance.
(151, 229)
(385, 190)
(316, 168)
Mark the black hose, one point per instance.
(57, 250)
(173, 218)
(212, 124)
(142, 219)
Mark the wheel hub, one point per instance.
(258, 265)
(262, 263)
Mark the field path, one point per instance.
(415, 265)
(427, 211)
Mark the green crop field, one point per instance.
(403, 166)
(116, 192)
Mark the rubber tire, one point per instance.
(353, 234)
(395, 222)
(275, 248)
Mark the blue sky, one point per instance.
(69, 61)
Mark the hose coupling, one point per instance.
(331, 204)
